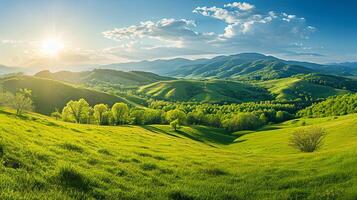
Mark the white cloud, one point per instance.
(247, 29)
(239, 5)
(243, 20)
(171, 31)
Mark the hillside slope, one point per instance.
(333, 106)
(213, 91)
(47, 159)
(49, 94)
(303, 87)
(104, 76)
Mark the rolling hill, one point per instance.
(104, 76)
(213, 91)
(49, 94)
(308, 87)
(46, 159)
(333, 106)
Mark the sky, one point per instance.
(47, 33)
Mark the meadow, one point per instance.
(47, 159)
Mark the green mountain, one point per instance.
(42, 158)
(104, 76)
(50, 94)
(246, 66)
(213, 91)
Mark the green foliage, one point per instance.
(22, 101)
(242, 121)
(120, 113)
(175, 124)
(77, 111)
(57, 115)
(99, 114)
(176, 114)
(307, 139)
(333, 106)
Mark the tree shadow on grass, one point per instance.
(157, 130)
(206, 135)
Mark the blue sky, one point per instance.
(103, 31)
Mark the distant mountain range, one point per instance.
(244, 66)
(251, 66)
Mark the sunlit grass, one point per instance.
(43, 158)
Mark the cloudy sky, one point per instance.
(43, 33)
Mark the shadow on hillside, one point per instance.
(157, 130)
(201, 134)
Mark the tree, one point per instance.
(242, 121)
(76, 111)
(176, 114)
(22, 101)
(56, 114)
(120, 113)
(175, 124)
(99, 113)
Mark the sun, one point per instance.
(52, 46)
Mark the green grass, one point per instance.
(48, 94)
(213, 91)
(47, 159)
(296, 87)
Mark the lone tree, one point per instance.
(175, 124)
(120, 113)
(22, 101)
(176, 118)
(308, 139)
(76, 110)
(99, 113)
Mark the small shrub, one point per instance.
(307, 139)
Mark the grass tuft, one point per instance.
(72, 147)
(70, 177)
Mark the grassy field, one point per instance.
(214, 91)
(294, 87)
(50, 94)
(47, 159)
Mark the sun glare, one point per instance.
(52, 46)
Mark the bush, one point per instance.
(307, 139)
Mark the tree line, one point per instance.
(224, 116)
(332, 106)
